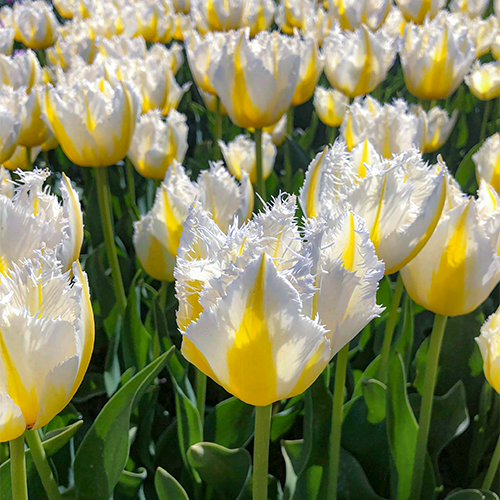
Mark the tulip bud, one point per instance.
(34, 131)
(291, 14)
(351, 14)
(489, 344)
(473, 8)
(66, 49)
(156, 144)
(35, 24)
(459, 266)
(218, 15)
(258, 15)
(331, 105)
(484, 80)
(487, 162)
(437, 126)
(21, 70)
(416, 11)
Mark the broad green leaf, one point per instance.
(466, 171)
(283, 421)
(374, 395)
(130, 483)
(52, 443)
(230, 423)
(102, 455)
(167, 487)
(292, 453)
(404, 344)
(226, 471)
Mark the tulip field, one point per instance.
(250, 250)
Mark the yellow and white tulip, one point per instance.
(34, 131)
(6, 41)
(473, 8)
(416, 11)
(484, 80)
(489, 344)
(217, 15)
(20, 70)
(351, 14)
(487, 162)
(331, 105)
(437, 126)
(10, 118)
(258, 15)
(292, 14)
(157, 143)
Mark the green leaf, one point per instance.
(102, 456)
(227, 471)
(404, 344)
(466, 171)
(130, 483)
(52, 443)
(167, 487)
(374, 394)
(472, 495)
(230, 423)
(136, 338)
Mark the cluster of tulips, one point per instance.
(266, 299)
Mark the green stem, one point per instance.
(261, 451)
(261, 183)
(201, 394)
(331, 134)
(337, 417)
(288, 159)
(426, 406)
(493, 468)
(390, 326)
(129, 171)
(103, 196)
(42, 465)
(163, 295)
(18, 469)
(218, 129)
(486, 115)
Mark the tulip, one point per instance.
(212, 103)
(218, 15)
(357, 62)
(156, 144)
(351, 14)
(118, 47)
(157, 234)
(182, 6)
(153, 23)
(487, 162)
(203, 53)
(437, 126)
(311, 66)
(256, 79)
(484, 80)
(365, 155)
(44, 367)
(258, 15)
(331, 105)
(6, 40)
(459, 266)
(35, 24)
(34, 131)
(435, 58)
(239, 156)
(391, 128)
(92, 121)
(181, 24)
(21, 70)
(34, 220)
(66, 8)
(6, 184)
(20, 159)
(473, 8)
(483, 33)
(292, 15)
(394, 24)
(277, 131)
(416, 11)
(10, 118)
(489, 344)
(66, 49)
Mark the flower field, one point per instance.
(250, 250)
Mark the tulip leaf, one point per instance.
(52, 443)
(102, 455)
(404, 343)
(168, 488)
(472, 495)
(402, 428)
(130, 483)
(230, 423)
(374, 395)
(226, 471)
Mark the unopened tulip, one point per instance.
(34, 131)
(291, 14)
(487, 162)
(218, 15)
(437, 126)
(489, 344)
(416, 11)
(356, 62)
(484, 80)
(157, 234)
(277, 131)
(67, 48)
(21, 70)
(256, 79)
(10, 118)
(45, 365)
(239, 155)
(118, 47)
(311, 66)
(182, 6)
(156, 144)
(35, 24)
(92, 121)
(435, 58)
(351, 14)
(6, 40)
(317, 25)
(20, 158)
(258, 15)
(459, 266)
(483, 33)
(331, 105)
(229, 283)
(394, 24)
(473, 8)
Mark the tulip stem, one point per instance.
(218, 128)
(261, 184)
(337, 417)
(390, 326)
(261, 451)
(42, 465)
(493, 468)
(18, 469)
(486, 116)
(103, 196)
(201, 394)
(426, 406)
(288, 161)
(332, 134)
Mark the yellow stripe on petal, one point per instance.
(363, 86)
(250, 361)
(312, 195)
(447, 291)
(77, 214)
(350, 247)
(174, 226)
(375, 232)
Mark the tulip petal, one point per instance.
(12, 424)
